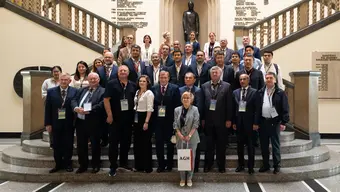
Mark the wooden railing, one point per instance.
(289, 89)
(78, 19)
(286, 22)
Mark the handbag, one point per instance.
(184, 159)
(173, 139)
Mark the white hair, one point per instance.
(214, 68)
(95, 74)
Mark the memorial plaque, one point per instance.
(328, 63)
(128, 12)
(247, 12)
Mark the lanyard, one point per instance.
(268, 67)
(124, 88)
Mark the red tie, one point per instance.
(136, 66)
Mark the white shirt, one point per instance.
(146, 54)
(188, 60)
(145, 102)
(48, 83)
(222, 72)
(139, 67)
(156, 74)
(241, 92)
(271, 68)
(267, 103)
(80, 83)
(206, 49)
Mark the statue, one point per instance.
(190, 21)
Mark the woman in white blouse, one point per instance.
(51, 82)
(147, 50)
(209, 46)
(79, 79)
(142, 146)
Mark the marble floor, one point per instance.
(330, 184)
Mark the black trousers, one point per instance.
(63, 136)
(163, 133)
(215, 138)
(88, 130)
(245, 136)
(142, 145)
(105, 131)
(119, 133)
(270, 129)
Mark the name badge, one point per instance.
(161, 111)
(273, 112)
(124, 105)
(136, 117)
(212, 106)
(242, 106)
(61, 113)
(87, 106)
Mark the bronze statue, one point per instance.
(191, 21)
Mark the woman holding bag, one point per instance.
(186, 123)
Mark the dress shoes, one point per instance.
(239, 169)
(112, 172)
(264, 169)
(160, 170)
(251, 171)
(95, 170)
(54, 170)
(127, 168)
(168, 169)
(221, 170)
(276, 170)
(189, 183)
(206, 170)
(148, 170)
(81, 170)
(69, 169)
(196, 170)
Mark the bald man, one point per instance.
(119, 103)
(109, 70)
(244, 105)
(89, 107)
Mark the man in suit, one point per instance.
(227, 70)
(108, 71)
(244, 108)
(212, 62)
(188, 58)
(227, 52)
(271, 117)
(167, 98)
(59, 118)
(196, 91)
(119, 102)
(166, 59)
(200, 69)
(246, 41)
(178, 70)
(125, 53)
(250, 50)
(235, 64)
(217, 116)
(89, 107)
(135, 65)
(153, 70)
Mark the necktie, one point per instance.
(90, 95)
(189, 89)
(243, 94)
(136, 66)
(63, 94)
(107, 69)
(163, 90)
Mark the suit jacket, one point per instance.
(97, 102)
(195, 47)
(168, 62)
(193, 59)
(228, 74)
(173, 74)
(149, 72)
(197, 96)
(170, 100)
(223, 110)
(256, 79)
(133, 76)
(246, 118)
(192, 120)
(279, 101)
(54, 102)
(123, 55)
(257, 53)
(102, 75)
(204, 76)
(212, 62)
(227, 56)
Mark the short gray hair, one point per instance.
(214, 68)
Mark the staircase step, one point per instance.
(38, 146)
(29, 174)
(285, 136)
(14, 155)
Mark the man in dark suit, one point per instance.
(200, 69)
(244, 108)
(246, 41)
(227, 52)
(167, 98)
(153, 70)
(213, 62)
(227, 70)
(217, 116)
(108, 71)
(135, 65)
(178, 70)
(235, 64)
(166, 59)
(271, 117)
(119, 102)
(59, 118)
(89, 107)
(196, 91)
(188, 58)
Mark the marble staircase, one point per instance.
(300, 161)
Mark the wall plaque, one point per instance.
(328, 63)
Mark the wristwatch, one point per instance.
(189, 136)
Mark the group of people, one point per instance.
(143, 92)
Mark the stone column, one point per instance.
(126, 30)
(33, 104)
(306, 103)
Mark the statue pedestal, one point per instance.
(33, 104)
